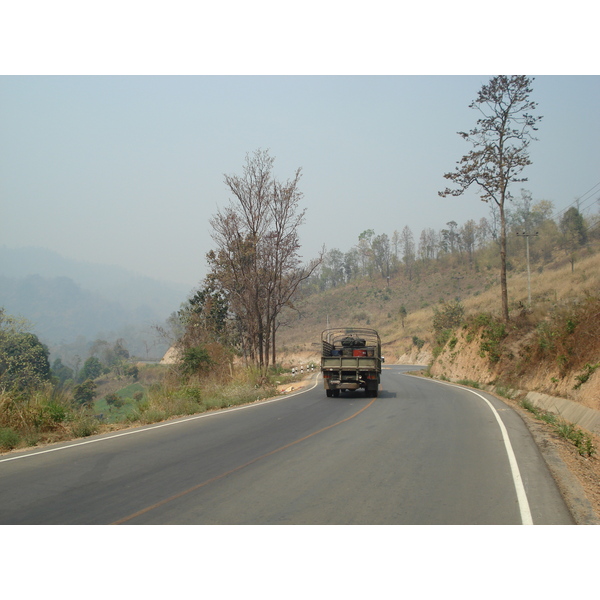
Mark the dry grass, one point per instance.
(370, 303)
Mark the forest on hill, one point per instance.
(398, 283)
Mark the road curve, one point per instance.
(421, 453)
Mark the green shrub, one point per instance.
(195, 360)
(449, 316)
(84, 393)
(469, 382)
(582, 440)
(85, 425)
(588, 370)
(114, 400)
(9, 438)
(49, 415)
(441, 340)
(418, 342)
(493, 331)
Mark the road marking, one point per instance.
(238, 468)
(524, 509)
(159, 426)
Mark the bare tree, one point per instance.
(382, 254)
(428, 244)
(256, 261)
(467, 236)
(408, 250)
(500, 150)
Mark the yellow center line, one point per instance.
(204, 483)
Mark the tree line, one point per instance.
(474, 244)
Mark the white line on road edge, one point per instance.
(160, 425)
(526, 517)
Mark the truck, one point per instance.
(351, 359)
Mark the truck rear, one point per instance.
(351, 359)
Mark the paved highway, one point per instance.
(423, 452)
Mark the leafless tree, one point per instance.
(256, 259)
(408, 250)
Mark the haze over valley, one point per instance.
(72, 303)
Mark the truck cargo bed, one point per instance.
(350, 359)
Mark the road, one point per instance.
(423, 452)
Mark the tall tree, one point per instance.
(256, 261)
(365, 251)
(500, 150)
(382, 254)
(408, 250)
(574, 234)
(467, 236)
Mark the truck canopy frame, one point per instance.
(338, 338)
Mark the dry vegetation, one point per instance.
(371, 303)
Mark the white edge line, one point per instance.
(160, 425)
(524, 509)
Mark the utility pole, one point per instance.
(527, 236)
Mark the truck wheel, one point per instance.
(329, 393)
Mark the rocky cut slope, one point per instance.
(558, 355)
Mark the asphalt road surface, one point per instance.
(423, 452)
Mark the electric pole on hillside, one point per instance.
(527, 236)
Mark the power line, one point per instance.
(576, 201)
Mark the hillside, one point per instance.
(556, 288)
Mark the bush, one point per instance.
(493, 331)
(418, 342)
(440, 341)
(195, 360)
(85, 393)
(449, 316)
(114, 400)
(49, 415)
(24, 359)
(588, 371)
(85, 426)
(9, 438)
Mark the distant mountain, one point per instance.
(113, 283)
(66, 299)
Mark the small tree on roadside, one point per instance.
(500, 150)
(84, 393)
(23, 358)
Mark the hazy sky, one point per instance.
(104, 165)
(127, 170)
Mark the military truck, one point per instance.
(351, 359)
